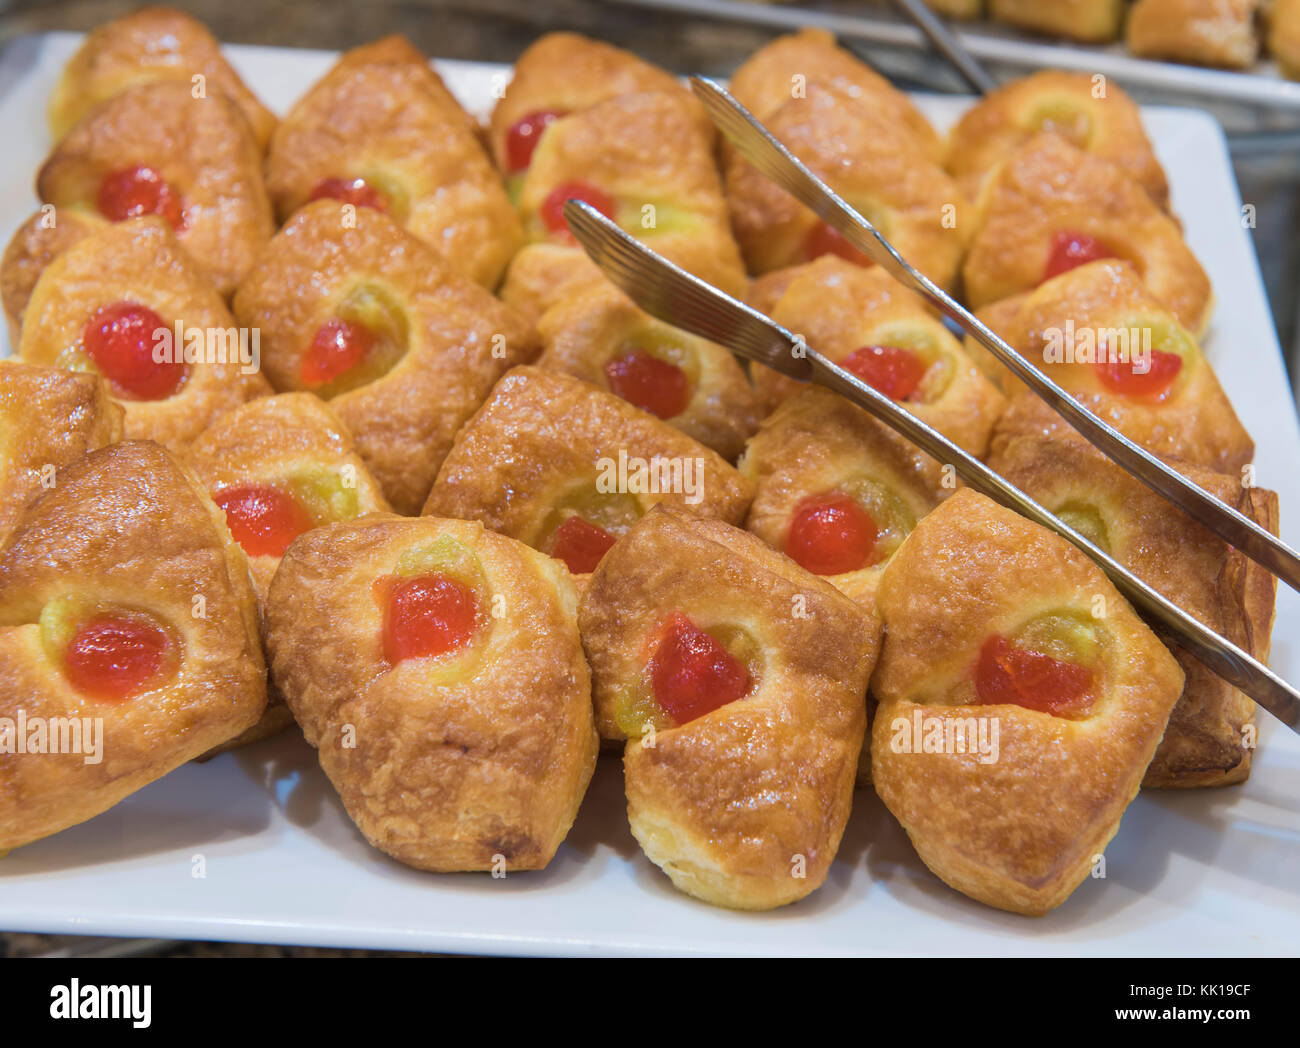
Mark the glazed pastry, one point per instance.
(597, 334)
(35, 244)
(643, 160)
(381, 131)
(1021, 700)
(114, 302)
(155, 149)
(1284, 36)
(870, 160)
(1154, 384)
(369, 317)
(738, 679)
(100, 581)
(1050, 207)
(1204, 32)
(800, 64)
(835, 490)
(1092, 21)
(543, 275)
(1211, 735)
(1097, 117)
(865, 321)
(278, 467)
(148, 45)
(437, 669)
(49, 419)
(567, 468)
(1000, 317)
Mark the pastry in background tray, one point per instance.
(278, 467)
(1097, 332)
(867, 322)
(437, 669)
(1050, 207)
(157, 150)
(739, 680)
(381, 131)
(99, 585)
(1021, 700)
(599, 335)
(129, 304)
(1092, 113)
(1204, 32)
(357, 310)
(1211, 734)
(566, 467)
(1090, 21)
(1284, 36)
(34, 245)
(148, 45)
(49, 418)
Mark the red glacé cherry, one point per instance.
(264, 520)
(692, 673)
(426, 616)
(830, 534)
(581, 544)
(1070, 249)
(338, 347)
(823, 240)
(649, 383)
(112, 657)
(552, 210)
(523, 136)
(120, 341)
(891, 370)
(1007, 675)
(355, 191)
(134, 191)
(1152, 384)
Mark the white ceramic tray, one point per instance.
(1213, 872)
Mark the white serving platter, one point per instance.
(1190, 873)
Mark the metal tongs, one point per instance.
(677, 297)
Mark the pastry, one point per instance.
(1050, 207)
(999, 317)
(34, 245)
(1021, 700)
(49, 418)
(128, 625)
(1284, 36)
(738, 679)
(1092, 21)
(597, 334)
(278, 467)
(542, 275)
(868, 323)
(1097, 332)
(567, 468)
(148, 45)
(1204, 32)
(437, 669)
(157, 150)
(367, 316)
(128, 303)
(1211, 734)
(1093, 114)
(381, 131)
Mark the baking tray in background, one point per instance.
(1213, 872)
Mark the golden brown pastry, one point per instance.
(1097, 331)
(867, 322)
(1211, 735)
(367, 316)
(599, 335)
(34, 245)
(278, 467)
(437, 669)
(1092, 21)
(128, 303)
(1094, 115)
(958, 8)
(567, 468)
(1021, 700)
(543, 275)
(1284, 36)
(738, 679)
(381, 131)
(49, 418)
(100, 581)
(1050, 207)
(145, 46)
(1203, 32)
(156, 150)
(1000, 317)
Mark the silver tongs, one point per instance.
(683, 300)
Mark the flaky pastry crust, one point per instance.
(1205, 32)
(34, 245)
